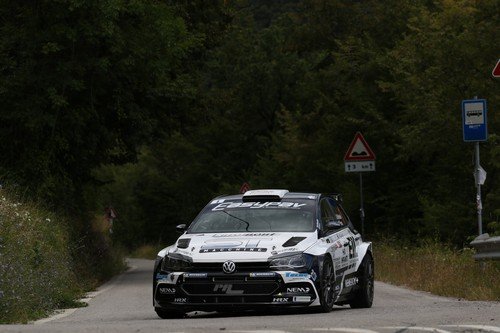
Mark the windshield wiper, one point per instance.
(236, 217)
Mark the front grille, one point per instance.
(230, 288)
(241, 267)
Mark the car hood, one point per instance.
(248, 246)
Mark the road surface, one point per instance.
(124, 305)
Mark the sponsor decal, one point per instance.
(227, 289)
(252, 234)
(292, 249)
(215, 243)
(313, 275)
(297, 275)
(341, 234)
(166, 290)
(281, 299)
(351, 282)
(195, 275)
(162, 276)
(180, 300)
(264, 274)
(257, 205)
(298, 290)
(234, 249)
(302, 298)
(217, 201)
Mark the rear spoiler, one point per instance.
(263, 195)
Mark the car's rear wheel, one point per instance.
(363, 297)
(327, 288)
(168, 314)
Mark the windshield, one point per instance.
(296, 216)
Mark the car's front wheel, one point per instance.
(168, 314)
(363, 298)
(327, 294)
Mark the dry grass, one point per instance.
(439, 270)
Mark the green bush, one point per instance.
(39, 261)
(36, 268)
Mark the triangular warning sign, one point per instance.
(496, 69)
(359, 150)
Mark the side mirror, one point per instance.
(334, 224)
(180, 228)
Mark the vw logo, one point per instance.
(229, 267)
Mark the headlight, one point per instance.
(171, 264)
(293, 262)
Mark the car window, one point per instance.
(237, 216)
(339, 212)
(327, 213)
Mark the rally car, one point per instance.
(265, 248)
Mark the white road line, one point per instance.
(417, 328)
(58, 315)
(344, 329)
(477, 327)
(261, 331)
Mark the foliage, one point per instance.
(36, 272)
(283, 88)
(84, 83)
(436, 268)
(44, 264)
(168, 104)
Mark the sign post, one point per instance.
(360, 158)
(475, 129)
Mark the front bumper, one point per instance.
(211, 291)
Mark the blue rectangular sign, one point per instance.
(474, 120)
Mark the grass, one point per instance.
(438, 269)
(42, 266)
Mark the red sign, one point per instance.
(496, 70)
(359, 150)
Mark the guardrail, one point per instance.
(486, 247)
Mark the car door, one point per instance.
(341, 237)
(336, 236)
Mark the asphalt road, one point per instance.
(124, 305)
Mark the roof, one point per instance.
(271, 193)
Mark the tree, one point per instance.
(85, 83)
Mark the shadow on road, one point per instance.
(259, 313)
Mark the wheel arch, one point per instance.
(325, 256)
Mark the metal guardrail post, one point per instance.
(486, 247)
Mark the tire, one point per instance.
(327, 287)
(363, 297)
(169, 314)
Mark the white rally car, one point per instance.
(265, 248)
